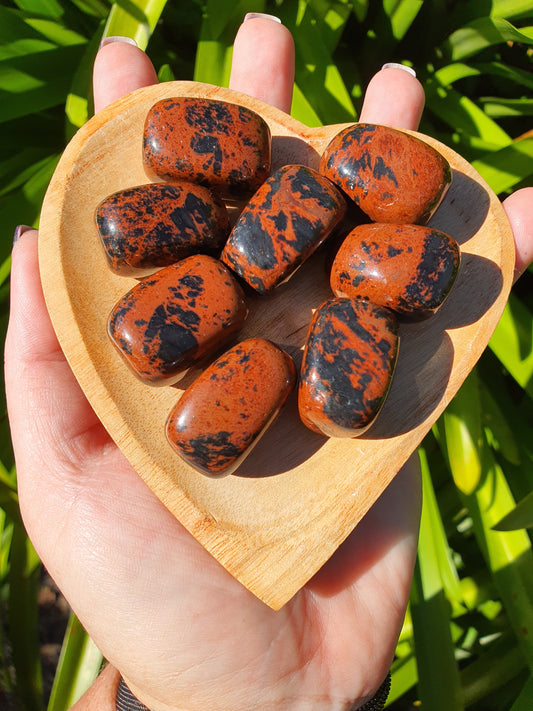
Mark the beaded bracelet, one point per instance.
(126, 701)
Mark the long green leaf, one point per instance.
(215, 46)
(316, 73)
(482, 33)
(402, 14)
(508, 554)
(463, 115)
(520, 517)
(79, 664)
(134, 18)
(23, 624)
(512, 342)
(523, 702)
(507, 167)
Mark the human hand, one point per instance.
(178, 627)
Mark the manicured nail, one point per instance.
(253, 15)
(19, 231)
(395, 65)
(117, 38)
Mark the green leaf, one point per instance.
(464, 435)
(79, 105)
(511, 8)
(135, 19)
(507, 167)
(332, 17)
(482, 33)
(360, 8)
(523, 702)
(495, 107)
(79, 664)
(302, 110)
(512, 343)
(402, 14)
(520, 517)
(36, 81)
(22, 614)
(215, 47)
(432, 529)
(463, 115)
(316, 72)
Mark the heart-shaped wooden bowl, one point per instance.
(298, 495)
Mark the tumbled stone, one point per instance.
(222, 415)
(393, 176)
(348, 364)
(151, 226)
(182, 313)
(408, 268)
(289, 216)
(213, 143)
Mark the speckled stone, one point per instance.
(183, 313)
(151, 226)
(348, 364)
(289, 216)
(393, 176)
(408, 268)
(222, 415)
(213, 143)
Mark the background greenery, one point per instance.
(467, 641)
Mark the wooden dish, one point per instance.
(298, 495)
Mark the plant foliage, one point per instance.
(467, 640)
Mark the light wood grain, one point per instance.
(298, 495)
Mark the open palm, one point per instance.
(178, 627)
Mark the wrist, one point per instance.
(125, 700)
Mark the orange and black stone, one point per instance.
(348, 364)
(213, 143)
(222, 415)
(183, 313)
(151, 226)
(393, 176)
(407, 268)
(289, 216)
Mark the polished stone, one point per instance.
(408, 268)
(348, 364)
(151, 226)
(393, 176)
(289, 216)
(177, 316)
(225, 411)
(213, 143)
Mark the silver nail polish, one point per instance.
(117, 38)
(19, 231)
(396, 65)
(253, 15)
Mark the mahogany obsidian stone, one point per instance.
(182, 313)
(222, 415)
(348, 364)
(151, 226)
(393, 176)
(289, 216)
(213, 143)
(408, 268)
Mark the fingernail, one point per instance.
(117, 38)
(19, 231)
(253, 15)
(395, 65)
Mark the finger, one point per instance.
(119, 68)
(519, 210)
(38, 378)
(263, 61)
(394, 97)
